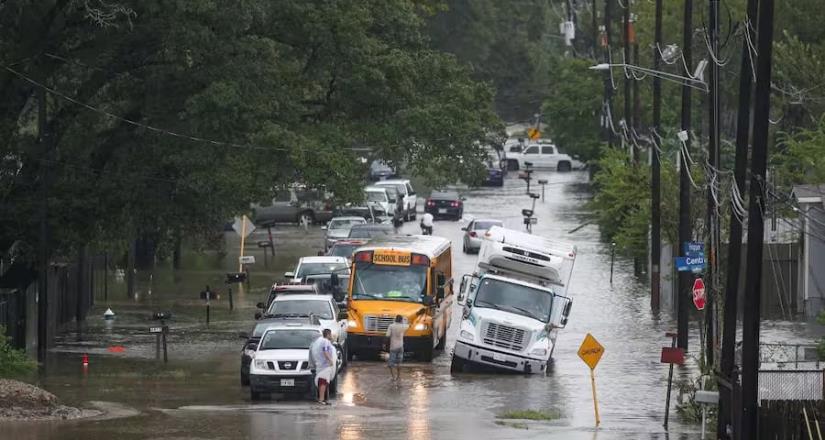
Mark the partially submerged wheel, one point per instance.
(457, 365)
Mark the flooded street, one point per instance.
(198, 395)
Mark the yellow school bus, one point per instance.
(409, 276)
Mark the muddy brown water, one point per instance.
(198, 395)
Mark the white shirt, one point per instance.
(427, 220)
(396, 334)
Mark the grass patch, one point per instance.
(531, 414)
(516, 425)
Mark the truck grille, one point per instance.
(503, 336)
(288, 365)
(377, 323)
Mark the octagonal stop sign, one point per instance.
(699, 297)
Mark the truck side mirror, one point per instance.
(243, 335)
(565, 313)
(427, 300)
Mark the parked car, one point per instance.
(285, 289)
(281, 360)
(370, 231)
(445, 204)
(372, 213)
(404, 190)
(296, 204)
(323, 307)
(338, 228)
(316, 266)
(381, 195)
(345, 248)
(474, 233)
(380, 170)
(251, 344)
(543, 154)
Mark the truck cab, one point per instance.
(515, 303)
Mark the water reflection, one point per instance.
(418, 423)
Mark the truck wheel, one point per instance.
(563, 166)
(426, 354)
(346, 357)
(332, 391)
(244, 380)
(457, 365)
(512, 165)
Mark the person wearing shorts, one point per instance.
(322, 354)
(395, 333)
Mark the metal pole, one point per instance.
(669, 378)
(106, 278)
(612, 259)
(157, 345)
(713, 156)
(756, 225)
(164, 330)
(595, 25)
(43, 281)
(231, 304)
(683, 300)
(655, 172)
(743, 122)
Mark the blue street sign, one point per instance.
(690, 264)
(693, 248)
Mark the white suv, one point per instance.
(322, 307)
(404, 190)
(280, 364)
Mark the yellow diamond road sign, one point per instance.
(591, 351)
(533, 133)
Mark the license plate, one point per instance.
(442, 210)
(287, 382)
(498, 357)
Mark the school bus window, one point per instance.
(399, 283)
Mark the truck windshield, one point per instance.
(289, 339)
(515, 298)
(401, 283)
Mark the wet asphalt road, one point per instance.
(197, 396)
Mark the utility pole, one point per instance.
(608, 80)
(712, 282)
(655, 172)
(595, 25)
(743, 120)
(43, 281)
(628, 117)
(756, 225)
(683, 300)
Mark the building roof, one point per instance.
(809, 193)
(428, 245)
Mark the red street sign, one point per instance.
(673, 355)
(699, 294)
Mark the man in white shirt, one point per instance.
(396, 332)
(322, 357)
(427, 224)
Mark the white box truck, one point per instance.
(515, 302)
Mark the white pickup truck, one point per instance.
(542, 154)
(514, 303)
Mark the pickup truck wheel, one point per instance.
(345, 356)
(244, 380)
(254, 395)
(464, 248)
(563, 166)
(457, 365)
(512, 165)
(426, 354)
(407, 215)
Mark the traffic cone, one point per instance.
(85, 360)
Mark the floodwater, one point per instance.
(198, 395)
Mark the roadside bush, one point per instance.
(13, 362)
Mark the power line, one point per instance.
(135, 123)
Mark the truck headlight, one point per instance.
(539, 352)
(420, 326)
(464, 334)
(260, 364)
(250, 353)
(351, 323)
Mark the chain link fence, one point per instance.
(791, 384)
(788, 356)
